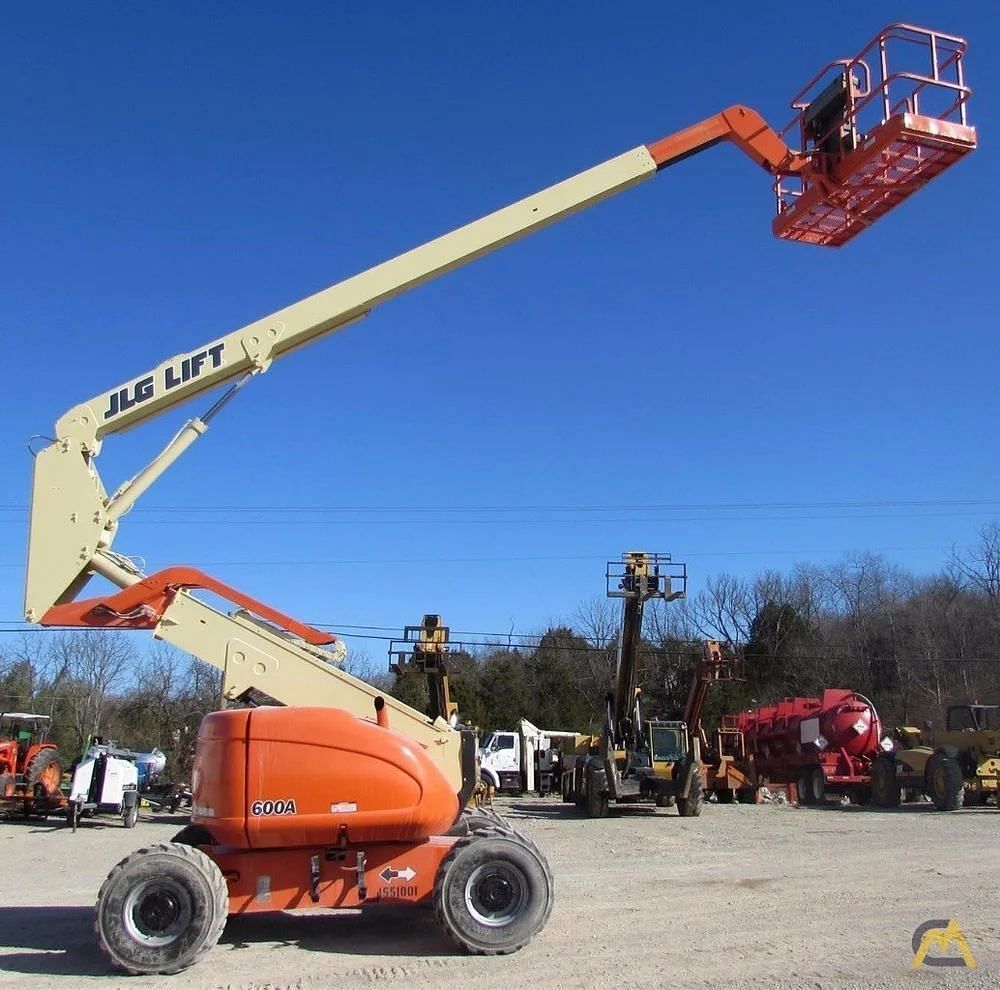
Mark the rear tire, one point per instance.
(130, 815)
(45, 771)
(160, 909)
(805, 791)
(690, 806)
(725, 796)
(817, 786)
(945, 782)
(747, 795)
(492, 893)
(886, 791)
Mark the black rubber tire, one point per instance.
(945, 782)
(690, 807)
(567, 790)
(886, 792)
(473, 819)
(130, 815)
(725, 795)
(194, 835)
(485, 867)
(817, 786)
(805, 791)
(597, 804)
(41, 766)
(188, 884)
(747, 795)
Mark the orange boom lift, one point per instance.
(360, 802)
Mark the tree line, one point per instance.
(911, 643)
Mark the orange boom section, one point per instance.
(281, 777)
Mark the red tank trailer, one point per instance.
(822, 745)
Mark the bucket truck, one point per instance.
(263, 840)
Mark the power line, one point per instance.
(528, 507)
(694, 555)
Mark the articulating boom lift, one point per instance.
(868, 139)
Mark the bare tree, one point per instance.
(88, 668)
(979, 566)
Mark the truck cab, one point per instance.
(529, 759)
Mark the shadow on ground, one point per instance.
(375, 931)
(60, 941)
(558, 811)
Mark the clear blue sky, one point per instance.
(172, 172)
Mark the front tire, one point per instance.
(160, 909)
(886, 792)
(493, 893)
(945, 782)
(597, 803)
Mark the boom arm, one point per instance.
(73, 521)
(637, 578)
(713, 666)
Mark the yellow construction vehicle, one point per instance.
(960, 765)
(637, 759)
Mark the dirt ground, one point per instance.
(744, 897)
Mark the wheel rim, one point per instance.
(938, 781)
(157, 912)
(496, 893)
(49, 778)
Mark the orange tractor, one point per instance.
(30, 766)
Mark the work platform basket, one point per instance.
(876, 128)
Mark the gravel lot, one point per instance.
(744, 897)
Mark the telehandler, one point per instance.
(360, 801)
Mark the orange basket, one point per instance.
(873, 136)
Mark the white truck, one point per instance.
(529, 759)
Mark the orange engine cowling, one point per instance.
(276, 777)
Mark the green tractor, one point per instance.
(958, 766)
